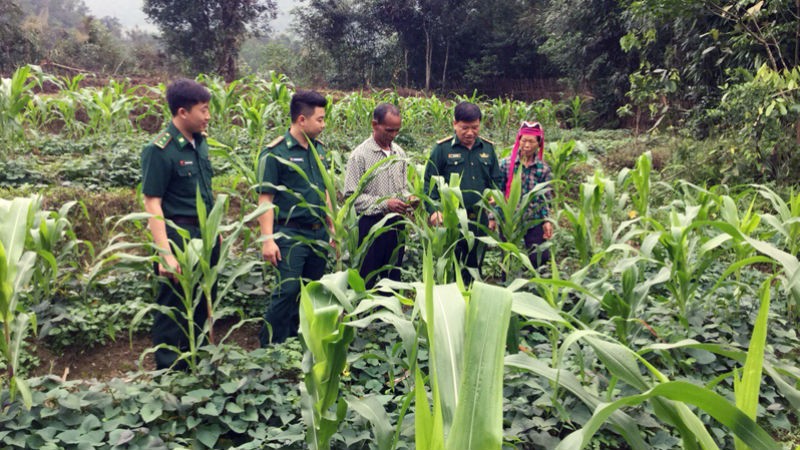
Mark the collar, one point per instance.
(377, 148)
(478, 142)
(292, 142)
(177, 136)
(518, 162)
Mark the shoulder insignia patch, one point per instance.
(275, 141)
(443, 140)
(162, 140)
(488, 141)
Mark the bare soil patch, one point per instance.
(119, 357)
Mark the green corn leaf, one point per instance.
(712, 403)
(449, 312)
(747, 389)
(535, 307)
(478, 422)
(620, 422)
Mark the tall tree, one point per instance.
(583, 41)
(359, 45)
(441, 23)
(210, 33)
(16, 46)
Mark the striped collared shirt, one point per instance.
(388, 181)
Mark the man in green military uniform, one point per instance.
(294, 231)
(174, 167)
(474, 158)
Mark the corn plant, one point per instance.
(542, 111)
(747, 386)
(278, 89)
(593, 216)
(683, 253)
(354, 112)
(17, 266)
(466, 341)
(196, 279)
(512, 225)
(786, 221)
(574, 112)
(623, 305)
(670, 399)
(331, 311)
(326, 338)
(259, 118)
(55, 242)
(562, 157)
(15, 93)
(500, 111)
(441, 240)
(224, 97)
(639, 177)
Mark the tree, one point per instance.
(16, 46)
(210, 33)
(583, 41)
(359, 45)
(57, 13)
(441, 23)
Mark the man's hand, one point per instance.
(492, 224)
(548, 230)
(435, 219)
(174, 267)
(270, 252)
(396, 205)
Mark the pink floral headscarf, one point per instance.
(526, 129)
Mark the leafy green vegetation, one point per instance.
(666, 318)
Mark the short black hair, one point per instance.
(304, 102)
(380, 112)
(467, 112)
(185, 93)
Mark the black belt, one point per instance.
(300, 226)
(185, 220)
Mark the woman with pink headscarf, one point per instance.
(526, 158)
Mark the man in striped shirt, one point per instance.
(384, 193)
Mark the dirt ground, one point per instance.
(117, 358)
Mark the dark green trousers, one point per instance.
(300, 259)
(167, 330)
(472, 258)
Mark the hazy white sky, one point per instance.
(130, 15)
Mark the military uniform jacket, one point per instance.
(296, 196)
(478, 168)
(174, 169)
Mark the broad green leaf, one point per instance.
(747, 389)
(208, 435)
(478, 422)
(449, 310)
(372, 410)
(535, 307)
(620, 422)
(712, 403)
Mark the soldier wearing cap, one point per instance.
(174, 167)
(294, 231)
(474, 158)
